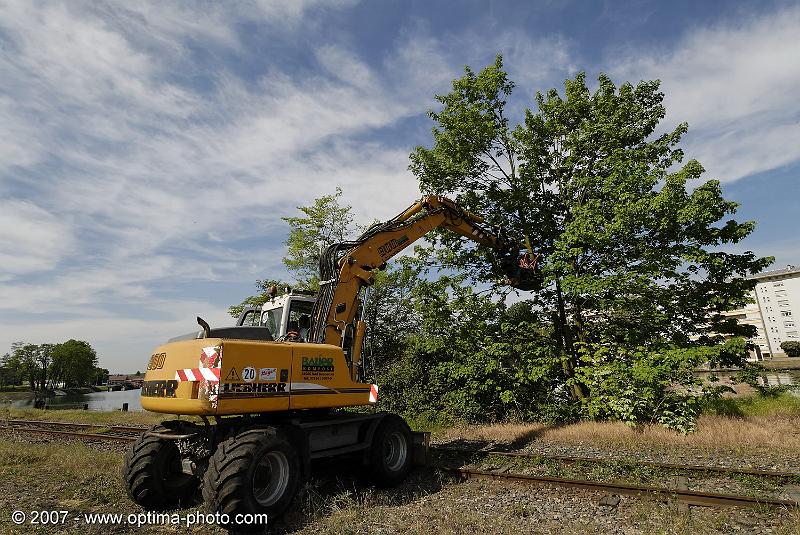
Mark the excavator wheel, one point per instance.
(256, 471)
(391, 453)
(153, 475)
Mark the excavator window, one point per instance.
(250, 318)
(297, 309)
(272, 320)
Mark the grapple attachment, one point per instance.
(522, 271)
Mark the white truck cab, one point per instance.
(277, 313)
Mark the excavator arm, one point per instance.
(346, 268)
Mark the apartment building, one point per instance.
(774, 312)
(778, 298)
(751, 315)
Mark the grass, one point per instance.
(755, 422)
(15, 388)
(72, 477)
(39, 473)
(58, 476)
(86, 417)
(783, 404)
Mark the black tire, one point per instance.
(391, 452)
(153, 476)
(256, 471)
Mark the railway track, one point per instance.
(689, 497)
(680, 493)
(572, 460)
(121, 433)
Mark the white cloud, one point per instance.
(142, 178)
(535, 63)
(292, 11)
(735, 83)
(31, 239)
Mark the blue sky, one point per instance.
(148, 150)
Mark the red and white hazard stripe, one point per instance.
(210, 353)
(198, 374)
(373, 394)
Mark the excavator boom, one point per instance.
(346, 268)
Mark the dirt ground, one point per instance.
(42, 473)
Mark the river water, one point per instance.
(98, 401)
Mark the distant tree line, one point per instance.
(48, 366)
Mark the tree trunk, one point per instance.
(568, 358)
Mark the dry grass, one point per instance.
(67, 476)
(79, 478)
(713, 432)
(87, 417)
(478, 507)
(770, 423)
(42, 473)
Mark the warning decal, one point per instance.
(232, 376)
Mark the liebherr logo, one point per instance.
(391, 245)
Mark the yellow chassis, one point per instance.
(214, 377)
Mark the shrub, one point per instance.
(792, 349)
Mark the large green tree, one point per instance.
(471, 358)
(47, 366)
(23, 361)
(30, 362)
(323, 223)
(633, 242)
(74, 363)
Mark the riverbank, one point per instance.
(43, 472)
(10, 393)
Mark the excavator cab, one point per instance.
(276, 313)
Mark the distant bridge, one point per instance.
(124, 382)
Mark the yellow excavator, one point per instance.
(265, 392)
